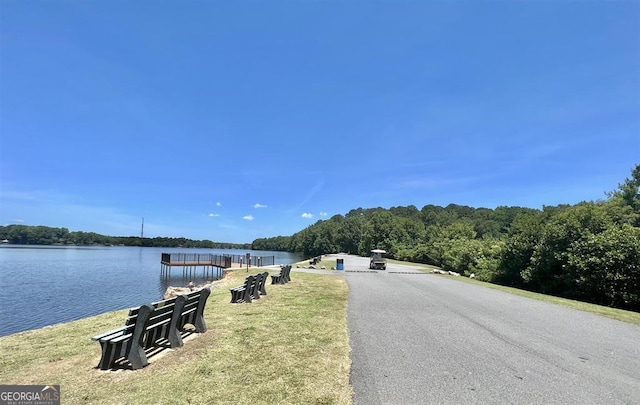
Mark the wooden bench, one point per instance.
(252, 289)
(151, 326)
(282, 277)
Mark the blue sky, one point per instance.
(231, 121)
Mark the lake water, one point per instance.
(45, 285)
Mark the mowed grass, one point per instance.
(289, 347)
(327, 263)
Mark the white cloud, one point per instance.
(307, 215)
(323, 214)
(248, 217)
(214, 215)
(218, 204)
(258, 205)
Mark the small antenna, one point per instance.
(142, 230)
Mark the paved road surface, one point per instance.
(427, 339)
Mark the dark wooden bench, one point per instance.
(282, 277)
(254, 286)
(151, 326)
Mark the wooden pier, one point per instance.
(211, 264)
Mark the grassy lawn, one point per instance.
(327, 263)
(619, 314)
(290, 347)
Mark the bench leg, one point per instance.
(199, 323)
(247, 295)
(137, 357)
(106, 361)
(263, 283)
(173, 336)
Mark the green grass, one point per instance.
(614, 313)
(327, 263)
(290, 347)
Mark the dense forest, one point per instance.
(588, 251)
(44, 235)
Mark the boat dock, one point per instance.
(212, 264)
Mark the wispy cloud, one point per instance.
(307, 215)
(248, 217)
(309, 195)
(214, 215)
(218, 204)
(258, 205)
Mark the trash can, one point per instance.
(340, 264)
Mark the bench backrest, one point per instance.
(158, 325)
(133, 312)
(167, 318)
(249, 284)
(255, 285)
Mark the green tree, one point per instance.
(349, 234)
(606, 267)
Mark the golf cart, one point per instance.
(378, 261)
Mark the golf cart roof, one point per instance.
(378, 251)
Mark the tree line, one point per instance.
(589, 251)
(44, 235)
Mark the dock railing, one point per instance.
(208, 259)
(196, 259)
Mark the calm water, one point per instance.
(45, 285)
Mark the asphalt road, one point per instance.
(427, 339)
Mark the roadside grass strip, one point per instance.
(289, 347)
